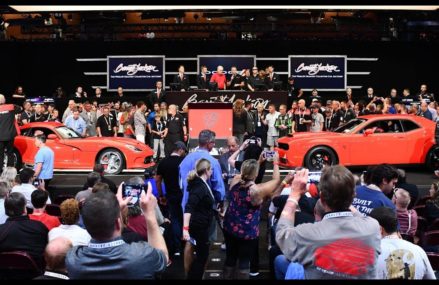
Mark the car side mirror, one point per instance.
(52, 137)
(368, 132)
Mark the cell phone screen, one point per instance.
(314, 177)
(133, 191)
(36, 183)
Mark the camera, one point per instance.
(253, 140)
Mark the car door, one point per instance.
(386, 143)
(414, 138)
(64, 154)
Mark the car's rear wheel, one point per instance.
(319, 157)
(16, 160)
(432, 161)
(112, 160)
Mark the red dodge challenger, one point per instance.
(366, 140)
(74, 152)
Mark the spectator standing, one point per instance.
(399, 259)
(8, 131)
(317, 246)
(199, 215)
(239, 120)
(107, 255)
(203, 79)
(270, 121)
(44, 161)
(156, 96)
(260, 126)
(302, 117)
(140, 122)
(168, 172)
(177, 130)
(90, 118)
(284, 124)
(106, 125)
(220, 78)
(77, 123)
(182, 79)
(158, 132)
(317, 119)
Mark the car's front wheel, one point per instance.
(112, 160)
(319, 157)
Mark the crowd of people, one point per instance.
(341, 227)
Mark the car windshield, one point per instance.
(67, 133)
(349, 126)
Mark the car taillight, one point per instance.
(283, 146)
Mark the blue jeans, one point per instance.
(287, 270)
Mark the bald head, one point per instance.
(55, 253)
(232, 144)
(2, 99)
(172, 109)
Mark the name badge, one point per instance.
(259, 124)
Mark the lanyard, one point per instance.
(56, 275)
(108, 121)
(106, 244)
(302, 115)
(337, 215)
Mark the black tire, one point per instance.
(432, 160)
(112, 160)
(17, 160)
(319, 156)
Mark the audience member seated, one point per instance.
(26, 187)
(381, 181)
(99, 168)
(21, 233)
(407, 219)
(432, 207)
(399, 259)
(108, 256)
(136, 221)
(39, 199)
(55, 255)
(70, 228)
(128, 235)
(317, 246)
(4, 192)
(9, 175)
(92, 179)
(409, 187)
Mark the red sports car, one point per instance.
(75, 152)
(366, 140)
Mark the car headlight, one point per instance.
(133, 148)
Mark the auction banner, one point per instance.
(227, 61)
(321, 72)
(265, 97)
(135, 73)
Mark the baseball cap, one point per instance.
(180, 145)
(328, 102)
(315, 100)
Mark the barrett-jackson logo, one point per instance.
(313, 69)
(134, 68)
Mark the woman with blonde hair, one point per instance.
(239, 120)
(242, 216)
(9, 176)
(198, 215)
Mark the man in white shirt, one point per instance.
(26, 188)
(270, 120)
(399, 259)
(4, 190)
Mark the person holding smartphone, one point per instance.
(243, 215)
(198, 215)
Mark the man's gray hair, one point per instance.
(205, 137)
(2, 99)
(135, 180)
(4, 189)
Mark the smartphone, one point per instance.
(269, 154)
(313, 176)
(133, 191)
(36, 183)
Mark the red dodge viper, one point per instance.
(74, 152)
(366, 140)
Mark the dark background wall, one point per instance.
(42, 66)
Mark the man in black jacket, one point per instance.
(203, 79)
(156, 96)
(182, 79)
(21, 233)
(271, 78)
(8, 130)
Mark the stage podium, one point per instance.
(217, 117)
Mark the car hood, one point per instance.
(94, 143)
(310, 135)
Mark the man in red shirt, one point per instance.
(220, 78)
(39, 199)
